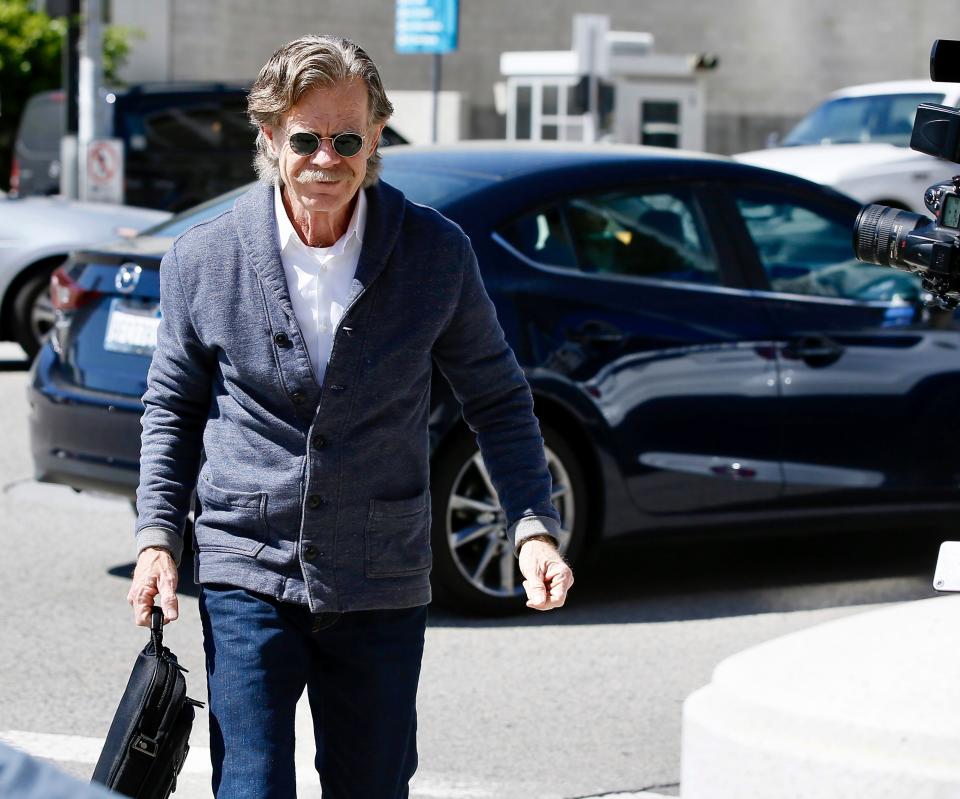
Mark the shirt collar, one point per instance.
(356, 228)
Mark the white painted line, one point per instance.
(80, 749)
(629, 795)
(68, 748)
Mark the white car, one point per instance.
(858, 141)
(36, 236)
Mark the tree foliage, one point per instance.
(31, 44)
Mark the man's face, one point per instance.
(325, 181)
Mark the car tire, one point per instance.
(33, 312)
(482, 575)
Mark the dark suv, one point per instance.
(183, 142)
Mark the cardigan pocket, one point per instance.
(230, 521)
(397, 537)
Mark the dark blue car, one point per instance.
(703, 349)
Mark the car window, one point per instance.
(42, 124)
(179, 124)
(642, 234)
(543, 237)
(655, 234)
(807, 251)
(884, 118)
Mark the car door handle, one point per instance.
(814, 350)
(596, 333)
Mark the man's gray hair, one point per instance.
(312, 61)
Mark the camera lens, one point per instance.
(879, 234)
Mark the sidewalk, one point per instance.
(867, 706)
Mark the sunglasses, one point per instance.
(345, 145)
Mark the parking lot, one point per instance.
(575, 703)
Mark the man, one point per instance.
(296, 348)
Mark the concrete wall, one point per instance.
(777, 59)
(150, 53)
(413, 116)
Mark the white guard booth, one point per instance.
(610, 87)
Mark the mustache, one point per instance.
(320, 176)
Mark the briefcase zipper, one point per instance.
(167, 684)
(142, 742)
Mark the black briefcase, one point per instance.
(147, 742)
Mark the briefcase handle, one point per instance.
(156, 629)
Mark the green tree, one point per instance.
(31, 44)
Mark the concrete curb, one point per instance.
(864, 706)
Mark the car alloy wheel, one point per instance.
(475, 567)
(33, 314)
(41, 316)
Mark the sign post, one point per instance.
(70, 69)
(428, 26)
(90, 80)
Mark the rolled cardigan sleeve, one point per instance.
(176, 405)
(474, 357)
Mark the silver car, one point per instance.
(36, 235)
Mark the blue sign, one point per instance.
(427, 26)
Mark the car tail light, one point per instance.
(66, 294)
(15, 177)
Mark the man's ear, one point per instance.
(375, 138)
(267, 132)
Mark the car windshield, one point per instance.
(430, 186)
(177, 224)
(419, 183)
(882, 118)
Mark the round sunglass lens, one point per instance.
(348, 144)
(304, 143)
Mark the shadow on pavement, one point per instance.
(664, 581)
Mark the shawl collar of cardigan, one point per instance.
(257, 231)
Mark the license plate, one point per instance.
(132, 327)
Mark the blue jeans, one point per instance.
(360, 670)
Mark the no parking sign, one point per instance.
(104, 173)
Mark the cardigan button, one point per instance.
(298, 396)
(319, 441)
(314, 501)
(310, 552)
(281, 340)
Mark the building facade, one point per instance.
(776, 59)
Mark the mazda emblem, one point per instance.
(127, 278)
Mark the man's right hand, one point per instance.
(155, 575)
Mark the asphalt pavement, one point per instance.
(579, 702)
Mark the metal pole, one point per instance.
(436, 96)
(91, 78)
(593, 89)
(70, 61)
(70, 71)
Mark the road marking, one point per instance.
(637, 795)
(80, 749)
(68, 748)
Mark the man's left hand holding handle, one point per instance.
(154, 576)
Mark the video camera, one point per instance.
(914, 242)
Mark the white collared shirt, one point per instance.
(319, 278)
